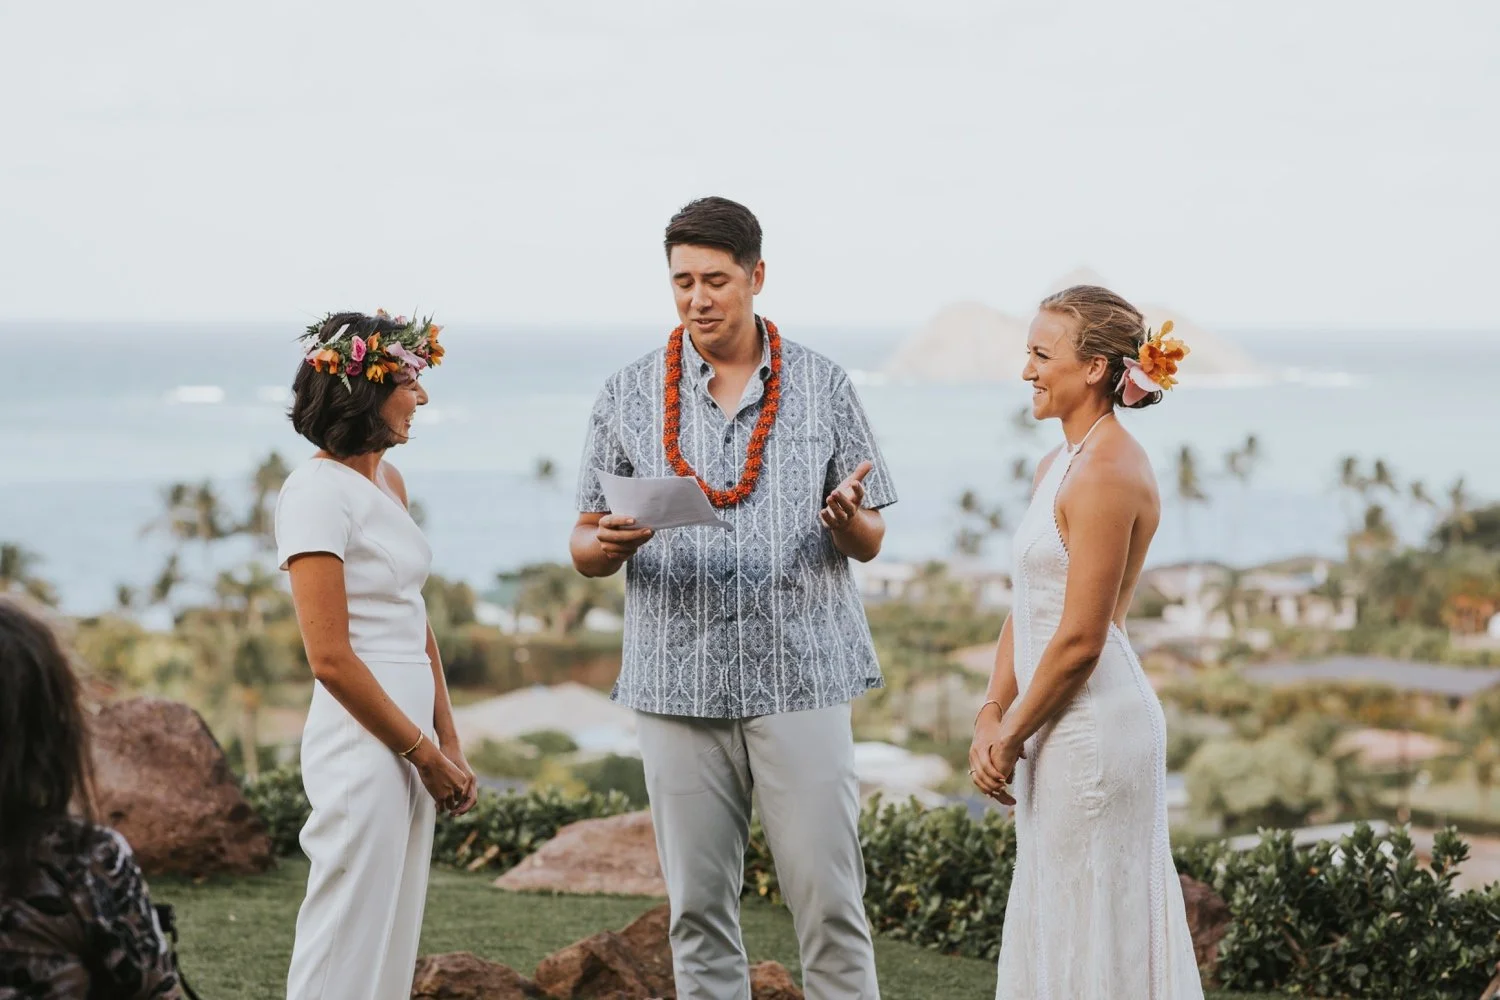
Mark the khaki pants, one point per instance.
(700, 774)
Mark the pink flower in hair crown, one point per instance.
(406, 357)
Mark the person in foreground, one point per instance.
(75, 917)
(745, 647)
(379, 752)
(1072, 734)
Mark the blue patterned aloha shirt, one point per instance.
(763, 618)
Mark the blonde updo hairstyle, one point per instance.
(1105, 326)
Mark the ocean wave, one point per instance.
(196, 394)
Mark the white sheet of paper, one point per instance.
(658, 503)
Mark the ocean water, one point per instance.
(103, 416)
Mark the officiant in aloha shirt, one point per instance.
(744, 647)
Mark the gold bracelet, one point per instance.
(985, 706)
(406, 755)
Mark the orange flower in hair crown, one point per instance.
(402, 354)
(1154, 369)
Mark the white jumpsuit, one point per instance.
(369, 837)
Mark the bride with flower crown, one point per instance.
(1071, 733)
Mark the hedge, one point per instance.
(1358, 918)
(496, 834)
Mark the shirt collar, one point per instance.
(697, 365)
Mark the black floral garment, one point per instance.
(84, 929)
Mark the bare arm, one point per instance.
(1100, 512)
(1003, 689)
(862, 537)
(856, 531)
(601, 543)
(323, 616)
(442, 705)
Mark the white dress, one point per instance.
(1095, 909)
(369, 837)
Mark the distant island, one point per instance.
(974, 342)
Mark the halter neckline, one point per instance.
(1073, 449)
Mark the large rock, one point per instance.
(771, 981)
(649, 941)
(636, 964)
(163, 782)
(603, 967)
(1208, 919)
(614, 856)
(461, 975)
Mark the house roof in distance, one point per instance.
(1403, 675)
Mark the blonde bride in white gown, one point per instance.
(1072, 734)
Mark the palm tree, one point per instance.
(126, 599)
(1233, 598)
(1351, 483)
(167, 581)
(17, 565)
(558, 596)
(1422, 501)
(977, 524)
(1189, 491)
(1375, 535)
(1240, 463)
(265, 484)
(244, 599)
(1382, 477)
(1458, 516)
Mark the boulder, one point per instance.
(164, 784)
(613, 856)
(1208, 919)
(461, 975)
(648, 938)
(603, 967)
(636, 964)
(771, 981)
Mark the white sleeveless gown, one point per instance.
(1095, 909)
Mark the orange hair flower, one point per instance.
(1160, 356)
(329, 361)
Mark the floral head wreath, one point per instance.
(1154, 369)
(401, 354)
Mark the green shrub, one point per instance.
(1359, 918)
(497, 833)
(504, 829)
(614, 773)
(551, 742)
(279, 799)
(934, 877)
(505, 759)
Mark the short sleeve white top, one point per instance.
(325, 506)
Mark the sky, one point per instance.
(1276, 164)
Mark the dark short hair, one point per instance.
(343, 421)
(717, 222)
(44, 746)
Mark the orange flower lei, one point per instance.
(754, 453)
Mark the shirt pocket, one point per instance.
(803, 462)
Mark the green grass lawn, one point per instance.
(237, 934)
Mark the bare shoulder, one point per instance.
(394, 481)
(1115, 468)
